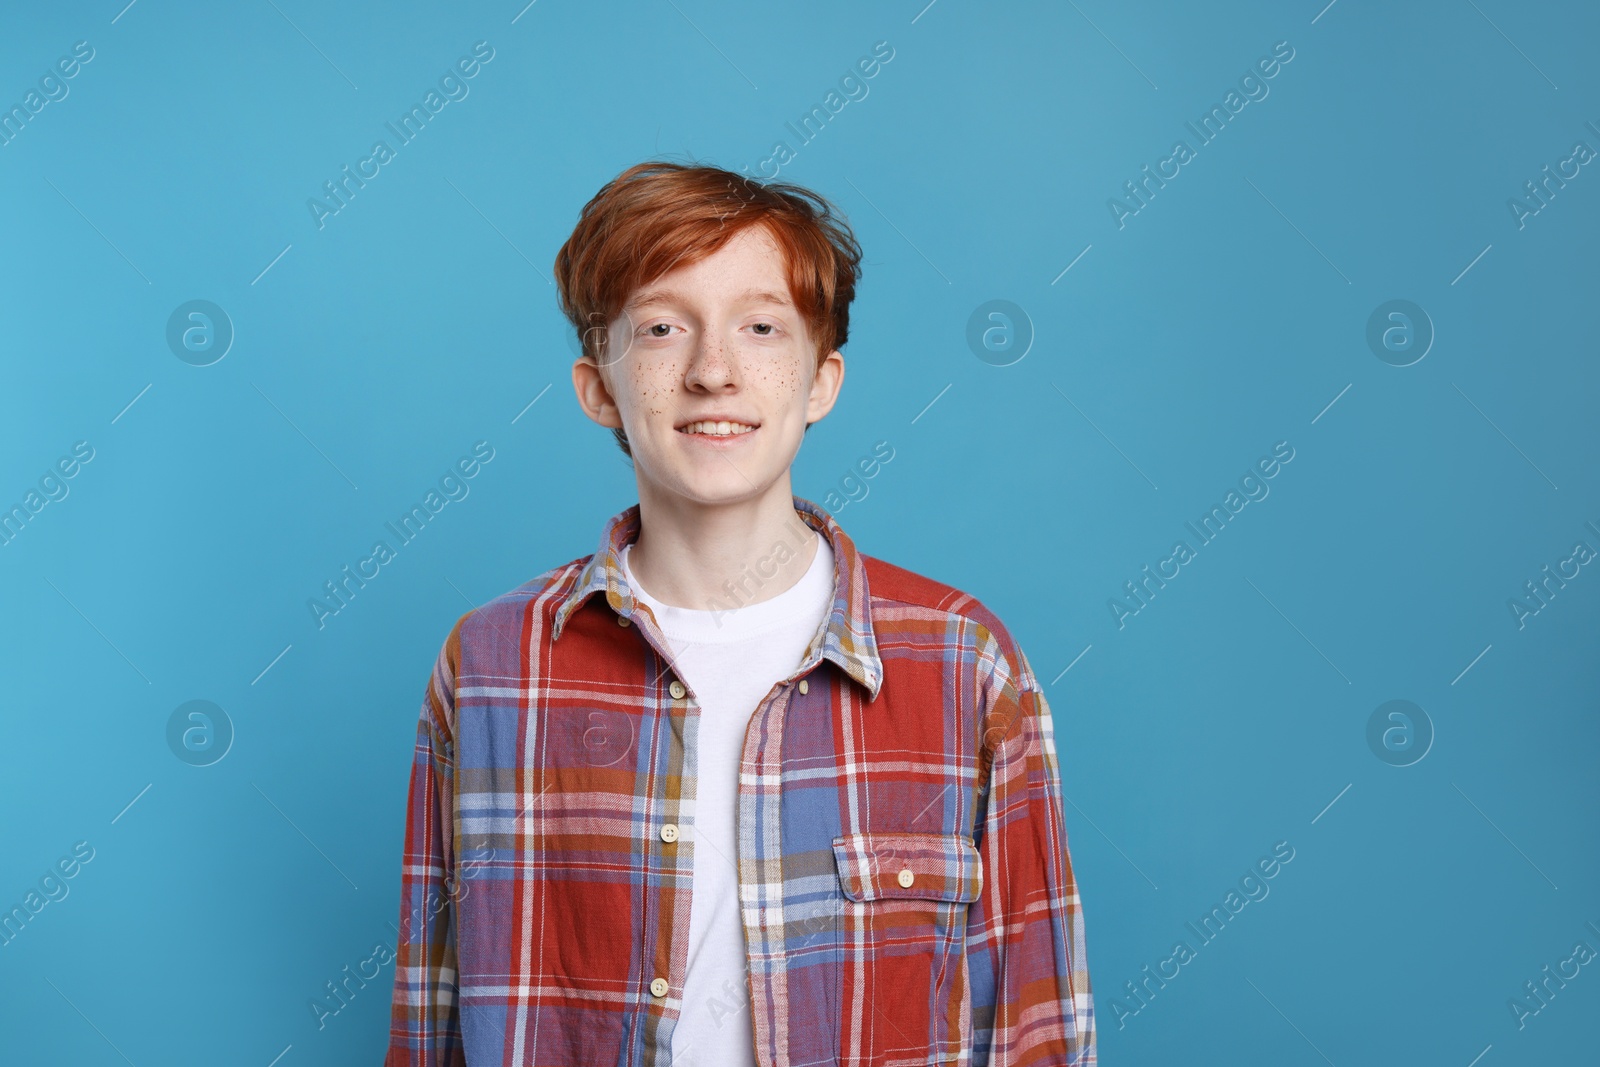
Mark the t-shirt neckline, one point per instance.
(732, 620)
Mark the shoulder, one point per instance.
(487, 640)
(500, 621)
(902, 599)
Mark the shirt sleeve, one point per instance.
(1031, 1002)
(425, 1028)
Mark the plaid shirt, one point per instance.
(905, 887)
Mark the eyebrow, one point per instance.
(672, 296)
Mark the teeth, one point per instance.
(718, 429)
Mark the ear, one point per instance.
(594, 396)
(825, 385)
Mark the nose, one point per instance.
(713, 363)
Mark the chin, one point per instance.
(712, 487)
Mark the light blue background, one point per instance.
(1228, 715)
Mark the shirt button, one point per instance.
(676, 689)
(669, 831)
(906, 877)
(622, 620)
(659, 987)
(803, 686)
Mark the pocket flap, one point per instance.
(940, 866)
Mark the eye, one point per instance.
(653, 327)
(764, 329)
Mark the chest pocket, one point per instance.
(901, 865)
(902, 989)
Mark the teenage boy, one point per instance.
(728, 791)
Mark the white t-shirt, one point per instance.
(730, 660)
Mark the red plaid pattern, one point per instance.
(905, 885)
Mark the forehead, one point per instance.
(749, 268)
(668, 296)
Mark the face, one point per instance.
(711, 372)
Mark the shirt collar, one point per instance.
(846, 633)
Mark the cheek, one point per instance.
(651, 390)
(637, 380)
(785, 379)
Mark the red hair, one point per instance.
(659, 215)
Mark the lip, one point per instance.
(715, 417)
(705, 440)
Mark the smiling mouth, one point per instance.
(716, 429)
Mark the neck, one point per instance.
(721, 556)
